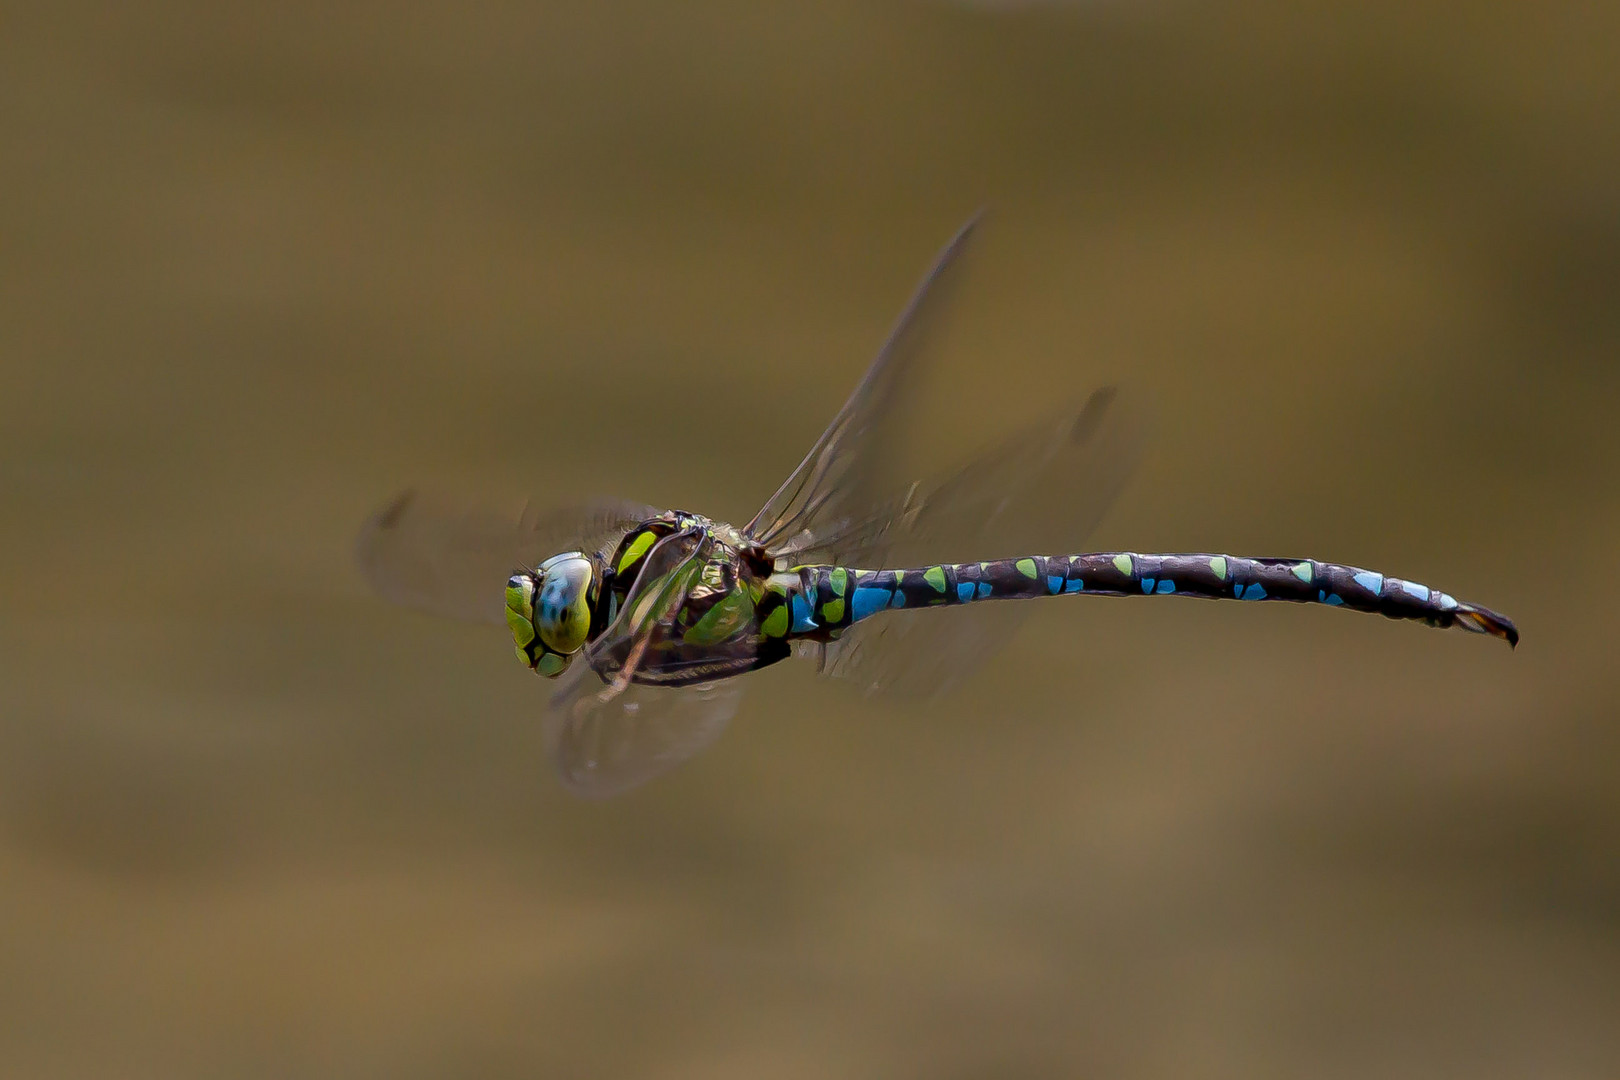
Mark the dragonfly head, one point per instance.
(549, 611)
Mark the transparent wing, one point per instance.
(603, 745)
(610, 728)
(1041, 493)
(450, 556)
(922, 654)
(671, 570)
(836, 481)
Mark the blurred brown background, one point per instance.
(262, 266)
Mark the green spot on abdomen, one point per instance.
(839, 580)
(1122, 563)
(1028, 568)
(832, 611)
(776, 623)
(1217, 566)
(935, 576)
(1302, 571)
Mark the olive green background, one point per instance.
(263, 265)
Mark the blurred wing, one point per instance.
(924, 654)
(607, 732)
(603, 745)
(834, 483)
(672, 569)
(445, 555)
(1040, 493)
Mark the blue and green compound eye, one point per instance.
(549, 611)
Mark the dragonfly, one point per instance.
(648, 618)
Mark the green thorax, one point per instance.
(722, 605)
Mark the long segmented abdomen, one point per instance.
(829, 598)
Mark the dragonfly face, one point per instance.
(549, 611)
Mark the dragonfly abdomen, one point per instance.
(831, 598)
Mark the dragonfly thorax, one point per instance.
(549, 610)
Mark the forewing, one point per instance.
(672, 568)
(835, 481)
(608, 732)
(451, 556)
(1040, 492)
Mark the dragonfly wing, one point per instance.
(604, 743)
(450, 556)
(921, 654)
(671, 570)
(1041, 492)
(835, 480)
(610, 728)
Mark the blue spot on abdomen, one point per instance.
(867, 600)
(801, 615)
(1165, 587)
(1371, 580)
(1415, 591)
(1074, 585)
(1255, 591)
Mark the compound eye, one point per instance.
(562, 609)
